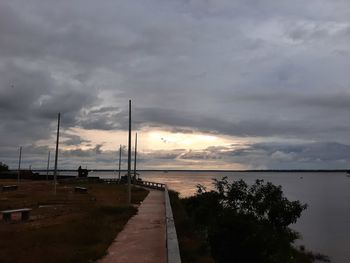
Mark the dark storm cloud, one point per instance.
(31, 93)
(29, 102)
(321, 101)
(31, 33)
(20, 87)
(270, 69)
(256, 126)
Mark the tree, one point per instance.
(3, 167)
(244, 223)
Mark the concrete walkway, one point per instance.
(143, 239)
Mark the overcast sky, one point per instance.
(221, 84)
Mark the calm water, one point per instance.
(325, 225)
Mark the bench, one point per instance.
(9, 187)
(79, 189)
(6, 214)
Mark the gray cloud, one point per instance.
(104, 118)
(253, 126)
(276, 155)
(294, 156)
(74, 140)
(265, 69)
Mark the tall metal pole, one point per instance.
(129, 156)
(120, 160)
(135, 159)
(48, 167)
(19, 163)
(56, 157)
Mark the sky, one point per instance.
(214, 84)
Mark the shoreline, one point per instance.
(204, 170)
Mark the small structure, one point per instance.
(124, 178)
(82, 173)
(7, 214)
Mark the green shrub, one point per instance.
(3, 167)
(244, 223)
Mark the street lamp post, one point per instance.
(135, 158)
(56, 157)
(129, 156)
(120, 160)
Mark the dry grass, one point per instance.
(66, 227)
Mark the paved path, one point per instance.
(143, 239)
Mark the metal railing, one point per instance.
(172, 244)
(152, 185)
(111, 181)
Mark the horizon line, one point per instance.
(201, 170)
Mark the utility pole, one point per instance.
(135, 159)
(19, 163)
(48, 167)
(120, 160)
(56, 157)
(129, 157)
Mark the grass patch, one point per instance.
(67, 227)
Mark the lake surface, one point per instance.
(325, 225)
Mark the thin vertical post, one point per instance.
(120, 160)
(56, 157)
(135, 158)
(48, 166)
(19, 163)
(129, 156)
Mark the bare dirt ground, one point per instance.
(66, 226)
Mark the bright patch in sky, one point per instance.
(149, 140)
(158, 140)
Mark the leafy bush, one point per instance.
(192, 248)
(244, 223)
(3, 167)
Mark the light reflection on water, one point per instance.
(325, 225)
